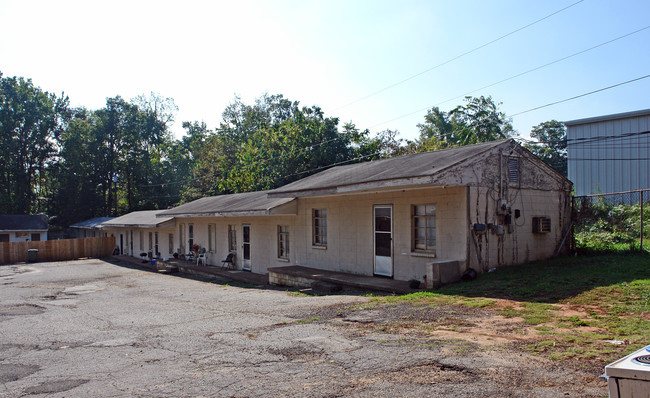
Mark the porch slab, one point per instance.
(299, 276)
(190, 267)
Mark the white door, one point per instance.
(383, 237)
(246, 246)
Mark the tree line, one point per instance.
(75, 163)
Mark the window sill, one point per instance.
(283, 260)
(421, 254)
(319, 247)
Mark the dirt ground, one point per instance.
(93, 328)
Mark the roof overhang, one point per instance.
(167, 223)
(624, 115)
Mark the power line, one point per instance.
(581, 95)
(517, 75)
(587, 140)
(608, 159)
(456, 57)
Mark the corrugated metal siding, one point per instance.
(609, 161)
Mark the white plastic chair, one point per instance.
(202, 257)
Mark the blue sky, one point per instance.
(332, 53)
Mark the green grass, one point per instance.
(561, 279)
(310, 320)
(613, 289)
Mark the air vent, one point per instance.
(513, 169)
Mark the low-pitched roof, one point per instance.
(23, 222)
(411, 169)
(137, 219)
(604, 118)
(92, 223)
(238, 204)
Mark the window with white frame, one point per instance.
(232, 238)
(424, 228)
(283, 242)
(150, 241)
(319, 227)
(156, 252)
(212, 238)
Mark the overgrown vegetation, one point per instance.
(604, 227)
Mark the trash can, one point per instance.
(153, 262)
(32, 255)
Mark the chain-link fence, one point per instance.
(612, 222)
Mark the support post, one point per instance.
(641, 220)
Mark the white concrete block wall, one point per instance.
(521, 245)
(350, 245)
(163, 240)
(264, 239)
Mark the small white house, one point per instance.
(23, 228)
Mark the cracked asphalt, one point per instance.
(93, 328)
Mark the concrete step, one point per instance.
(325, 287)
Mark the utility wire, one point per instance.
(451, 99)
(569, 141)
(588, 140)
(515, 76)
(456, 57)
(581, 95)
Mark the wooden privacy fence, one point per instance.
(57, 250)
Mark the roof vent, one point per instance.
(513, 169)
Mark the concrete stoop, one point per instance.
(320, 287)
(312, 279)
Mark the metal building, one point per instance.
(609, 153)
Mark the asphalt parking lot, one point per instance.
(93, 328)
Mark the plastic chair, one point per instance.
(202, 257)
(229, 262)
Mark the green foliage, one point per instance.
(115, 160)
(31, 122)
(552, 144)
(275, 142)
(79, 163)
(479, 120)
(604, 226)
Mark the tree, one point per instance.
(273, 142)
(77, 185)
(479, 120)
(552, 144)
(116, 159)
(31, 121)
